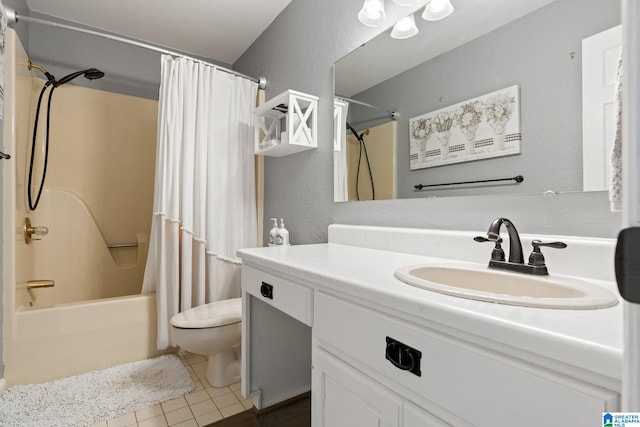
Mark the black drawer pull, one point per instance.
(403, 357)
(266, 290)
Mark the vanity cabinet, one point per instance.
(276, 337)
(376, 353)
(460, 383)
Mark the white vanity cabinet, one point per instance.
(373, 351)
(276, 337)
(461, 384)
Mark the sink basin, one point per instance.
(482, 283)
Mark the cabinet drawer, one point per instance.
(288, 297)
(483, 388)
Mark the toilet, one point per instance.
(212, 330)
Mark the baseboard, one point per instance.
(3, 385)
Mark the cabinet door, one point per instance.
(343, 397)
(416, 417)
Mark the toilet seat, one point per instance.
(212, 315)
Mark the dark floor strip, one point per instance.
(294, 414)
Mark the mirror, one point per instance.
(483, 47)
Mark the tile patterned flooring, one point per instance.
(203, 406)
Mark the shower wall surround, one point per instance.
(19, 6)
(98, 192)
(301, 186)
(103, 148)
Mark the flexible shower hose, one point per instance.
(33, 205)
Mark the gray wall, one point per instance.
(533, 52)
(128, 69)
(298, 51)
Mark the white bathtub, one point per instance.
(68, 339)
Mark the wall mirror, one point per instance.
(537, 46)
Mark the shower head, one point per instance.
(355, 132)
(91, 74)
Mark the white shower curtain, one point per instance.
(204, 206)
(340, 183)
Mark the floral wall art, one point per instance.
(480, 128)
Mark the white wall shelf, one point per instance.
(286, 124)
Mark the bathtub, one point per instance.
(69, 339)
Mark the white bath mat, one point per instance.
(95, 396)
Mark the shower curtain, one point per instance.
(340, 183)
(204, 197)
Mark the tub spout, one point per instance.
(31, 284)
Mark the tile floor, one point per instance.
(203, 406)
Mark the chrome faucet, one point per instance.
(516, 263)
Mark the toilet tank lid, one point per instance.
(219, 313)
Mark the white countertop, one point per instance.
(586, 339)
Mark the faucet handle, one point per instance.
(558, 245)
(536, 258)
(498, 253)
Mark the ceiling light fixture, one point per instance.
(372, 13)
(437, 9)
(405, 28)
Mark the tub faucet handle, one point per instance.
(30, 231)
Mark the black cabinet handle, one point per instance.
(403, 357)
(266, 290)
(627, 263)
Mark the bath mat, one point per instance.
(96, 396)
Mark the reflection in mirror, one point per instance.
(364, 162)
(536, 45)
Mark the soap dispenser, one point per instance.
(273, 233)
(282, 238)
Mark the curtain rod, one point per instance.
(394, 114)
(13, 18)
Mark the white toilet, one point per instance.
(212, 330)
